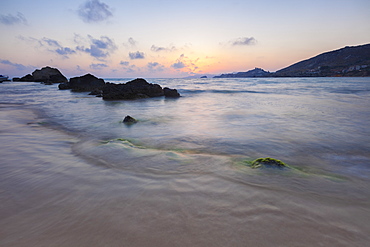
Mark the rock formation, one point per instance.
(84, 83)
(47, 75)
(129, 120)
(171, 93)
(135, 89)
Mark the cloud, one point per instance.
(64, 51)
(124, 63)
(154, 66)
(137, 55)
(178, 65)
(98, 66)
(132, 42)
(159, 48)
(50, 44)
(99, 48)
(15, 65)
(56, 47)
(243, 41)
(12, 20)
(94, 11)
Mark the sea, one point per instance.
(73, 174)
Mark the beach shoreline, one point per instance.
(51, 197)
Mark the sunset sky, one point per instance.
(163, 38)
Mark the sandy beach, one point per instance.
(51, 197)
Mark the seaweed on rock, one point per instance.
(268, 162)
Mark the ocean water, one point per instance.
(72, 174)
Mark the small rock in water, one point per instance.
(129, 120)
(171, 93)
(268, 162)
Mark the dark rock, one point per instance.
(49, 76)
(171, 93)
(203, 77)
(135, 89)
(96, 92)
(129, 120)
(257, 72)
(84, 83)
(268, 162)
(16, 79)
(46, 75)
(27, 78)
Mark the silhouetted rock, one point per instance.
(49, 75)
(135, 89)
(203, 77)
(129, 120)
(171, 93)
(28, 77)
(84, 83)
(257, 72)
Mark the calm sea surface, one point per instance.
(72, 174)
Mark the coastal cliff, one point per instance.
(349, 61)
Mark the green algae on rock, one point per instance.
(268, 162)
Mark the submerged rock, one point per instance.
(135, 89)
(84, 83)
(268, 162)
(129, 120)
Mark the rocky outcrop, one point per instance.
(129, 120)
(46, 75)
(84, 83)
(49, 75)
(28, 77)
(135, 89)
(257, 72)
(170, 93)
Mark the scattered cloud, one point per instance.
(124, 63)
(243, 41)
(13, 19)
(178, 65)
(154, 66)
(98, 48)
(186, 65)
(129, 68)
(54, 46)
(94, 11)
(15, 65)
(98, 66)
(159, 48)
(137, 55)
(132, 42)
(49, 44)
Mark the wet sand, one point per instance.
(51, 197)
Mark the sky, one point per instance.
(173, 39)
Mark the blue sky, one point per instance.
(112, 38)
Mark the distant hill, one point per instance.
(347, 61)
(257, 72)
